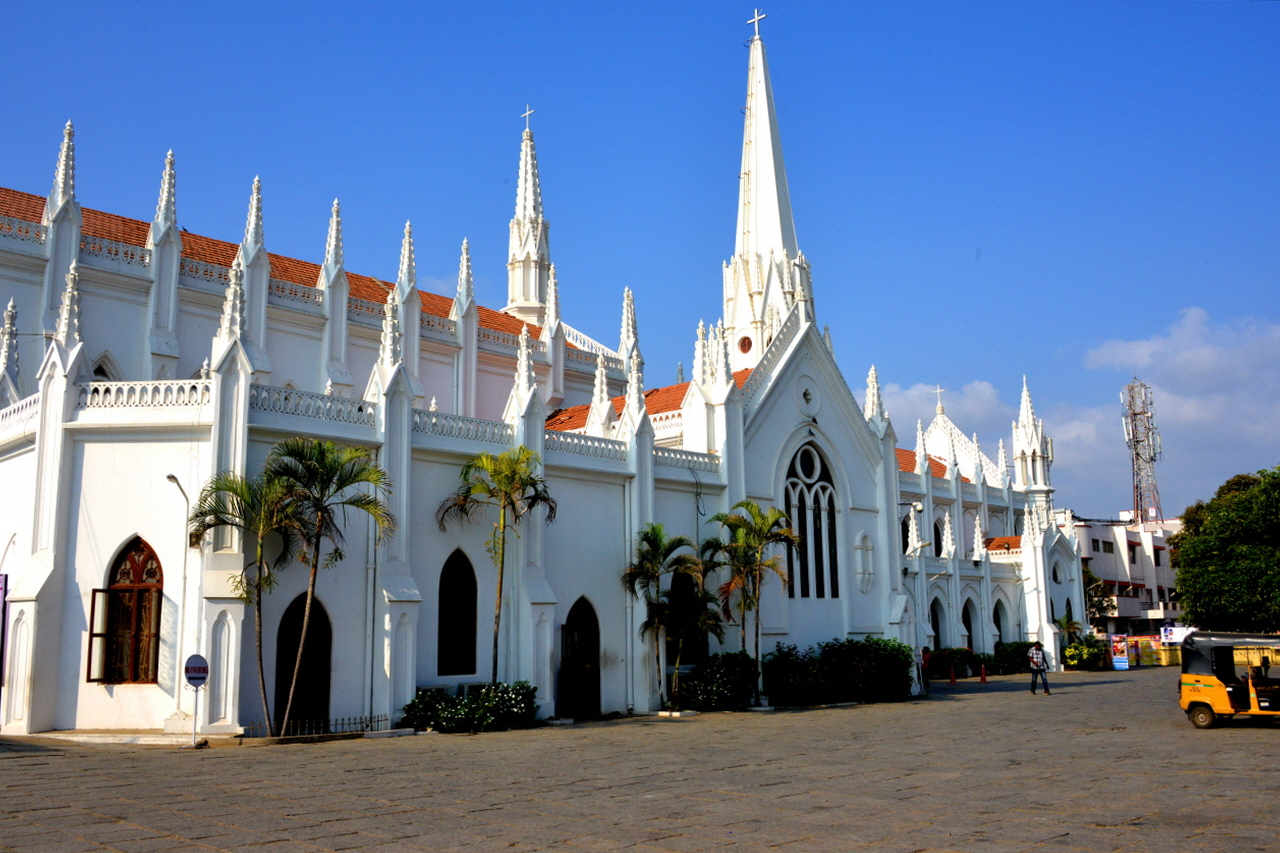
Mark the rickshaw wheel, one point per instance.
(1202, 717)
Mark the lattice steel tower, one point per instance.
(1143, 440)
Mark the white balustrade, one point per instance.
(457, 426)
(585, 445)
(506, 340)
(666, 423)
(582, 342)
(20, 229)
(438, 327)
(20, 412)
(144, 395)
(201, 271)
(290, 401)
(672, 458)
(365, 311)
(114, 250)
(293, 292)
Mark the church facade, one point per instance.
(137, 360)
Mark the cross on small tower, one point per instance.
(525, 115)
(760, 16)
(938, 390)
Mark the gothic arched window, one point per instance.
(124, 619)
(456, 632)
(812, 567)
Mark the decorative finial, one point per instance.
(938, 390)
(759, 16)
(390, 350)
(553, 299)
(232, 324)
(328, 388)
(253, 227)
(433, 404)
(64, 180)
(874, 407)
(466, 282)
(167, 206)
(68, 328)
(407, 277)
(333, 252)
(9, 343)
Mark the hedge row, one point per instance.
(492, 708)
(870, 670)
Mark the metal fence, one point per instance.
(337, 725)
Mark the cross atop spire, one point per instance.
(938, 389)
(759, 16)
(528, 111)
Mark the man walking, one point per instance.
(1038, 668)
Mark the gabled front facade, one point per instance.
(171, 356)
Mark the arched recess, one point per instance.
(938, 544)
(938, 622)
(969, 525)
(579, 694)
(995, 525)
(865, 563)
(311, 696)
(969, 618)
(1000, 618)
(905, 526)
(402, 682)
(124, 618)
(456, 622)
(18, 669)
(105, 368)
(813, 569)
(220, 667)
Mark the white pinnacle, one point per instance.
(466, 283)
(389, 352)
(874, 407)
(553, 300)
(68, 328)
(9, 343)
(922, 457)
(525, 377)
(232, 324)
(333, 253)
(64, 179)
(167, 206)
(253, 225)
(407, 277)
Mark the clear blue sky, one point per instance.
(1076, 192)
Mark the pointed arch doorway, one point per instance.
(579, 694)
(311, 698)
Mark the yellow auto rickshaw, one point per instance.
(1228, 674)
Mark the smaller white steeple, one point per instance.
(948, 536)
(601, 415)
(68, 330)
(1002, 462)
(635, 387)
(700, 355)
(167, 205)
(922, 455)
(529, 246)
(407, 276)
(979, 541)
(629, 340)
(552, 317)
(466, 294)
(389, 350)
(64, 179)
(253, 237)
(873, 409)
(333, 254)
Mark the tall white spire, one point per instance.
(529, 248)
(407, 277)
(64, 179)
(167, 205)
(68, 331)
(333, 254)
(253, 224)
(768, 273)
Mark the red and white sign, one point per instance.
(197, 670)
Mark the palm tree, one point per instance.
(656, 555)
(688, 614)
(751, 532)
(510, 483)
(325, 483)
(258, 508)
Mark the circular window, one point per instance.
(808, 463)
(744, 344)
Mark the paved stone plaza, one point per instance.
(1115, 766)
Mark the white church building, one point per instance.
(137, 360)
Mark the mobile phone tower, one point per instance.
(1143, 441)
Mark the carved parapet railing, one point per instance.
(290, 401)
(365, 311)
(457, 426)
(114, 250)
(505, 340)
(292, 292)
(20, 412)
(587, 357)
(587, 344)
(20, 229)
(585, 445)
(969, 489)
(672, 458)
(438, 327)
(777, 347)
(204, 272)
(144, 395)
(667, 423)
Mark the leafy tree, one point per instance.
(510, 483)
(691, 614)
(1227, 556)
(1098, 604)
(657, 555)
(750, 533)
(259, 508)
(325, 484)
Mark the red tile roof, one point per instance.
(133, 232)
(1003, 543)
(907, 464)
(656, 400)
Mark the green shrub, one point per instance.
(1011, 658)
(492, 708)
(870, 670)
(943, 661)
(724, 682)
(1082, 656)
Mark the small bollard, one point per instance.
(953, 676)
(983, 679)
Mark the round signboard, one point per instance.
(197, 670)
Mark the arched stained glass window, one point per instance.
(812, 567)
(124, 619)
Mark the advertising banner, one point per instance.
(1119, 651)
(1146, 649)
